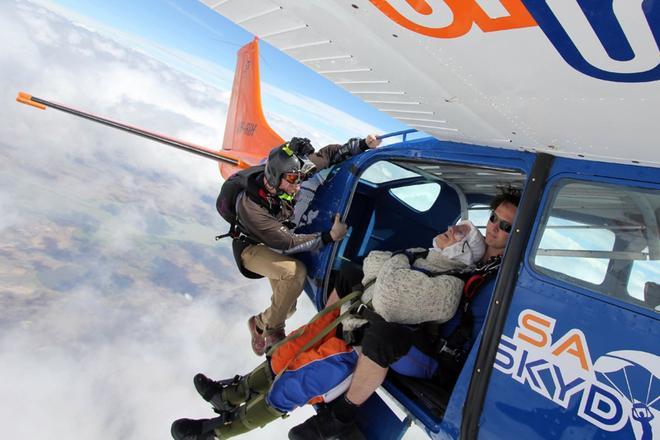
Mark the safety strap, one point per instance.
(231, 233)
(327, 329)
(454, 344)
(210, 425)
(235, 229)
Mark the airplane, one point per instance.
(551, 97)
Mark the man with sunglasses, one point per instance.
(384, 344)
(267, 239)
(503, 211)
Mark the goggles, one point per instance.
(293, 178)
(503, 224)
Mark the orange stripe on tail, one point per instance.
(247, 133)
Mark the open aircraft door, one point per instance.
(327, 193)
(570, 346)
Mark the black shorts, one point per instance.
(386, 342)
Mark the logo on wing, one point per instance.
(620, 389)
(616, 40)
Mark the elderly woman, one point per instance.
(419, 285)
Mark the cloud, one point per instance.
(9, 215)
(327, 120)
(114, 293)
(100, 366)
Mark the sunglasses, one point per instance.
(503, 224)
(292, 178)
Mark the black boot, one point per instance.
(188, 429)
(215, 392)
(229, 394)
(323, 426)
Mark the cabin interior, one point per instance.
(400, 204)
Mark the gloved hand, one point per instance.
(301, 146)
(338, 230)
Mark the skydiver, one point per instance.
(321, 367)
(265, 211)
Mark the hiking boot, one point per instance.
(211, 391)
(273, 338)
(188, 429)
(324, 425)
(258, 338)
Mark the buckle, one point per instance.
(445, 349)
(361, 309)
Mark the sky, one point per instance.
(194, 39)
(112, 290)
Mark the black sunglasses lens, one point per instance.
(503, 225)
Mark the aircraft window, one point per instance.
(562, 235)
(605, 238)
(384, 171)
(419, 197)
(644, 275)
(478, 214)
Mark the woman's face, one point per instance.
(451, 236)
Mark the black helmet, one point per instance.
(281, 160)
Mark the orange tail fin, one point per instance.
(247, 133)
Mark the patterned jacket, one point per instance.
(407, 295)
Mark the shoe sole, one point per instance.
(252, 338)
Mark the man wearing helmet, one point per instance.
(265, 210)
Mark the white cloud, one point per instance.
(74, 37)
(100, 366)
(9, 215)
(320, 113)
(80, 203)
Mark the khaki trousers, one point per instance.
(287, 279)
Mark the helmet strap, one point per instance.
(285, 196)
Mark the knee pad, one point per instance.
(260, 379)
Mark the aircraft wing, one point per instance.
(570, 78)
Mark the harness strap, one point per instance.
(348, 298)
(472, 285)
(320, 335)
(454, 344)
(366, 311)
(228, 234)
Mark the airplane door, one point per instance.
(576, 354)
(326, 194)
(330, 194)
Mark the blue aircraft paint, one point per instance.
(608, 30)
(531, 393)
